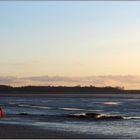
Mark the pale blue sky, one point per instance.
(69, 38)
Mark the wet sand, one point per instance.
(14, 131)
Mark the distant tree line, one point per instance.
(61, 89)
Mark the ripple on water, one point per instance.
(71, 109)
(110, 103)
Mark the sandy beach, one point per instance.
(14, 131)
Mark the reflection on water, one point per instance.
(110, 103)
(51, 113)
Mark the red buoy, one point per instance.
(1, 112)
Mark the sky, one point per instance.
(69, 38)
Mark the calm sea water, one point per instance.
(51, 113)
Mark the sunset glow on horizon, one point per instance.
(70, 39)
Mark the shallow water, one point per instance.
(51, 113)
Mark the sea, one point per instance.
(50, 112)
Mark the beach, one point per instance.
(15, 131)
(47, 116)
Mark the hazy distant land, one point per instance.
(57, 90)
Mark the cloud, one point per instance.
(54, 78)
(23, 63)
(127, 81)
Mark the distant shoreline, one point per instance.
(62, 91)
